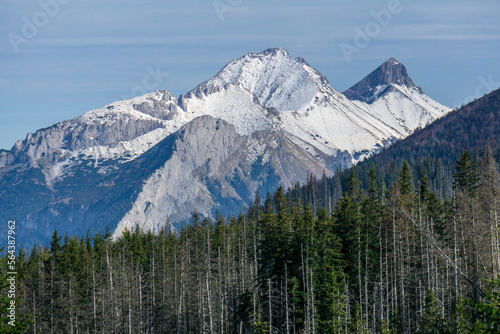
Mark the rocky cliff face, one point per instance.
(217, 170)
(108, 126)
(265, 119)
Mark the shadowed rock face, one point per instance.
(205, 166)
(390, 72)
(213, 168)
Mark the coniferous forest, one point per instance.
(330, 256)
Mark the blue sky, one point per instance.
(61, 58)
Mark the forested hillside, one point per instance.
(392, 259)
(435, 149)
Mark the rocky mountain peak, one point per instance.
(390, 73)
(275, 52)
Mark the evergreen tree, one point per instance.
(432, 321)
(405, 179)
(465, 177)
(328, 269)
(488, 311)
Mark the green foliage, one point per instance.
(306, 260)
(405, 179)
(432, 321)
(488, 311)
(461, 317)
(436, 148)
(465, 176)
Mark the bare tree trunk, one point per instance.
(209, 269)
(381, 274)
(152, 312)
(129, 306)
(313, 308)
(70, 296)
(112, 288)
(94, 301)
(455, 258)
(255, 293)
(306, 288)
(34, 313)
(141, 316)
(270, 305)
(401, 276)
(287, 316)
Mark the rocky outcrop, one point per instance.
(101, 128)
(6, 158)
(164, 108)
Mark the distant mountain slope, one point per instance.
(436, 148)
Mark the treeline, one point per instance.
(382, 260)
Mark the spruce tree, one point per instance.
(465, 177)
(405, 179)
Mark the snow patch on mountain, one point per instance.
(404, 108)
(235, 105)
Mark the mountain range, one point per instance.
(265, 119)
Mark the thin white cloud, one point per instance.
(465, 37)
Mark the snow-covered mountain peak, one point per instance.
(275, 78)
(390, 95)
(274, 52)
(375, 84)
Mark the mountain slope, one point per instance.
(217, 170)
(436, 148)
